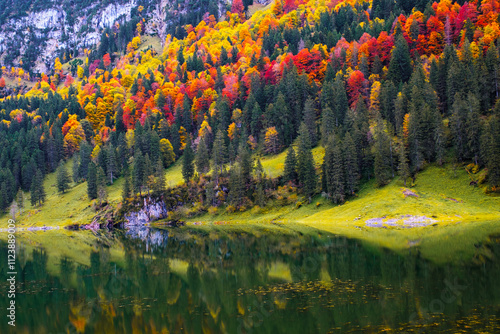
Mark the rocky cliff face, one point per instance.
(39, 30)
(55, 28)
(149, 212)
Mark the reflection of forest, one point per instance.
(273, 283)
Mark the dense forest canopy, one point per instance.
(386, 87)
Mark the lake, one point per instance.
(188, 280)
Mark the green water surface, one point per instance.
(192, 281)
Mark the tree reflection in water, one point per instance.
(186, 281)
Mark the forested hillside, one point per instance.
(33, 33)
(386, 88)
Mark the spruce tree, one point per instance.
(351, 166)
(126, 190)
(305, 163)
(102, 194)
(333, 171)
(63, 178)
(290, 172)
(260, 176)
(188, 161)
(149, 179)
(400, 65)
(219, 153)
(40, 187)
(138, 172)
(160, 185)
(327, 125)
(382, 163)
(403, 167)
(92, 181)
(236, 186)
(111, 169)
(245, 161)
(202, 158)
(310, 120)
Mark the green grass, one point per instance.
(151, 41)
(275, 164)
(74, 207)
(461, 225)
(465, 215)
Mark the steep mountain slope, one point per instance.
(33, 33)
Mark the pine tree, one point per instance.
(219, 153)
(333, 171)
(403, 167)
(111, 169)
(149, 179)
(305, 163)
(310, 120)
(260, 177)
(351, 166)
(327, 125)
(92, 181)
(245, 161)
(202, 159)
(138, 175)
(188, 161)
(40, 186)
(382, 163)
(63, 178)
(126, 190)
(491, 148)
(102, 194)
(400, 65)
(160, 185)
(236, 186)
(290, 172)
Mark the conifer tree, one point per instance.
(382, 163)
(37, 189)
(245, 161)
(111, 169)
(290, 172)
(92, 181)
(305, 163)
(403, 167)
(260, 176)
(126, 190)
(333, 171)
(63, 178)
(202, 159)
(149, 179)
(400, 65)
(310, 120)
(188, 161)
(138, 175)
(327, 125)
(159, 185)
(85, 156)
(351, 166)
(219, 153)
(102, 194)
(236, 186)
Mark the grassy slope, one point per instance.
(460, 225)
(73, 207)
(470, 219)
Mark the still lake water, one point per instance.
(185, 281)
